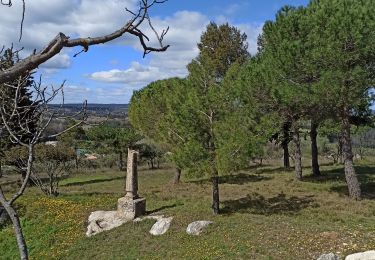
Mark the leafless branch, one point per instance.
(62, 41)
(23, 19)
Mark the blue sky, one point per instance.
(110, 73)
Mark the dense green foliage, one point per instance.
(194, 116)
(315, 63)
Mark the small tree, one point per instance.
(113, 139)
(150, 113)
(201, 115)
(151, 153)
(73, 139)
(55, 162)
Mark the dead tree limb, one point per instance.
(62, 41)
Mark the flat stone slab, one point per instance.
(368, 255)
(197, 227)
(161, 226)
(100, 221)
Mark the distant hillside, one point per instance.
(115, 110)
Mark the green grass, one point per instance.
(267, 214)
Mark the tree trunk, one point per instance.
(297, 153)
(76, 162)
(177, 176)
(22, 248)
(339, 150)
(50, 185)
(285, 143)
(215, 193)
(314, 149)
(350, 175)
(121, 161)
(76, 157)
(286, 156)
(18, 230)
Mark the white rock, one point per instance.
(197, 227)
(100, 221)
(368, 255)
(161, 226)
(330, 256)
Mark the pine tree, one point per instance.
(342, 53)
(220, 48)
(283, 51)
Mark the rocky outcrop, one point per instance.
(197, 227)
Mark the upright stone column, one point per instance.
(131, 187)
(132, 206)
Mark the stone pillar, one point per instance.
(131, 206)
(131, 187)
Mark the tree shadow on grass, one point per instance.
(367, 189)
(238, 179)
(149, 212)
(80, 183)
(257, 204)
(366, 174)
(273, 170)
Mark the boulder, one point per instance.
(330, 256)
(161, 226)
(368, 255)
(100, 221)
(195, 228)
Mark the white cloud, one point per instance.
(135, 75)
(252, 31)
(45, 18)
(73, 89)
(185, 30)
(232, 9)
(108, 94)
(82, 18)
(60, 61)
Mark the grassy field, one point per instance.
(267, 214)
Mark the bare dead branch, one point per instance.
(23, 18)
(62, 41)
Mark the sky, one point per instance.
(109, 73)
